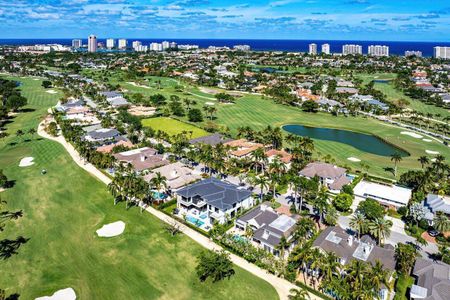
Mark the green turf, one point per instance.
(174, 127)
(393, 94)
(258, 113)
(62, 210)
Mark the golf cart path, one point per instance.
(282, 286)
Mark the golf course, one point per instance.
(62, 210)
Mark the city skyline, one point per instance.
(283, 19)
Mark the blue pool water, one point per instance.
(159, 196)
(240, 238)
(351, 177)
(203, 216)
(195, 221)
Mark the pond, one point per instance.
(364, 142)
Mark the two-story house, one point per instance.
(211, 200)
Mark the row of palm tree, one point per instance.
(379, 228)
(354, 280)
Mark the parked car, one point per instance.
(433, 233)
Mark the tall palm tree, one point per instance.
(282, 246)
(396, 158)
(262, 183)
(379, 276)
(424, 160)
(381, 229)
(359, 223)
(441, 222)
(158, 182)
(331, 265)
(320, 204)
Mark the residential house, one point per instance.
(115, 99)
(268, 227)
(432, 280)
(109, 148)
(435, 203)
(242, 148)
(212, 200)
(142, 159)
(333, 177)
(177, 175)
(347, 248)
(388, 195)
(284, 156)
(103, 136)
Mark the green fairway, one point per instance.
(257, 113)
(62, 210)
(174, 127)
(393, 94)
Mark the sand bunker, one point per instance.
(112, 229)
(354, 159)
(427, 140)
(26, 162)
(412, 134)
(65, 294)
(51, 92)
(137, 85)
(432, 152)
(209, 103)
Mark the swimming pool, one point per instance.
(195, 221)
(159, 195)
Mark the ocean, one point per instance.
(396, 48)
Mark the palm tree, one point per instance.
(282, 246)
(379, 276)
(320, 204)
(396, 158)
(441, 222)
(158, 181)
(261, 181)
(19, 133)
(298, 294)
(331, 265)
(380, 228)
(424, 160)
(359, 223)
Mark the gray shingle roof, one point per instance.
(215, 192)
(335, 239)
(212, 140)
(435, 277)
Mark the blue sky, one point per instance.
(410, 20)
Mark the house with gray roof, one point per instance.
(212, 200)
(348, 248)
(268, 227)
(333, 177)
(103, 136)
(432, 280)
(115, 99)
(434, 204)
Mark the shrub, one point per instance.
(195, 115)
(343, 201)
(402, 210)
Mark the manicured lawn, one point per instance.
(393, 94)
(257, 113)
(174, 127)
(62, 210)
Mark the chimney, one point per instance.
(143, 157)
(350, 240)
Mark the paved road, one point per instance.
(282, 286)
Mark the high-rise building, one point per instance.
(413, 53)
(350, 49)
(110, 43)
(156, 47)
(378, 50)
(442, 52)
(165, 45)
(92, 43)
(326, 48)
(173, 45)
(77, 44)
(312, 49)
(122, 44)
(136, 45)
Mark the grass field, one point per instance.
(393, 94)
(174, 127)
(62, 210)
(258, 113)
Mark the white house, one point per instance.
(388, 195)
